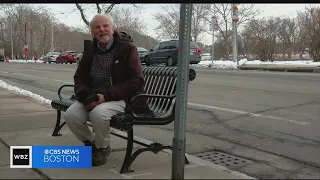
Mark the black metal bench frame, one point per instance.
(133, 119)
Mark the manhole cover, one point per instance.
(223, 159)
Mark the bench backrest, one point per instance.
(161, 81)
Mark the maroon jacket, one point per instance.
(127, 76)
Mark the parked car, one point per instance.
(50, 57)
(167, 52)
(206, 57)
(142, 52)
(67, 57)
(2, 54)
(79, 58)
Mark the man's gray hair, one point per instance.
(101, 15)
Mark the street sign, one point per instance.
(26, 51)
(235, 13)
(215, 23)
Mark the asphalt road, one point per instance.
(270, 118)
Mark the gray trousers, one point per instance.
(77, 116)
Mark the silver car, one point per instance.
(51, 57)
(79, 58)
(142, 52)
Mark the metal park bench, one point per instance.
(160, 87)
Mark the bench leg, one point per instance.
(126, 166)
(154, 147)
(57, 128)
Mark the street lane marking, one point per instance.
(34, 76)
(249, 113)
(195, 104)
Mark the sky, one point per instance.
(69, 14)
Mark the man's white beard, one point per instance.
(104, 39)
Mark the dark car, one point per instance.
(1, 58)
(142, 52)
(167, 52)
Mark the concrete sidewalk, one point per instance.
(25, 122)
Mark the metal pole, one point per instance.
(212, 55)
(52, 46)
(11, 40)
(25, 37)
(179, 140)
(234, 44)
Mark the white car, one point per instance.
(79, 58)
(50, 57)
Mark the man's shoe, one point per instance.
(99, 156)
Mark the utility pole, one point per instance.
(11, 39)
(52, 41)
(25, 40)
(179, 140)
(212, 54)
(52, 46)
(235, 19)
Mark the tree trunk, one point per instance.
(44, 39)
(289, 53)
(32, 49)
(227, 48)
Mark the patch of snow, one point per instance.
(24, 93)
(223, 64)
(219, 64)
(307, 62)
(26, 61)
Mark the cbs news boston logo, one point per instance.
(50, 157)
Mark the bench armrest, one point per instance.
(59, 91)
(150, 96)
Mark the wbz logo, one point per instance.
(20, 157)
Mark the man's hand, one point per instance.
(96, 103)
(92, 105)
(101, 98)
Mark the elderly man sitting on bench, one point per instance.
(109, 74)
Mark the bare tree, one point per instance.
(301, 41)
(16, 16)
(106, 9)
(128, 18)
(262, 38)
(312, 30)
(100, 9)
(39, 28)
(287, 33)
(220, 46)
(224, 14)
(169, 18)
